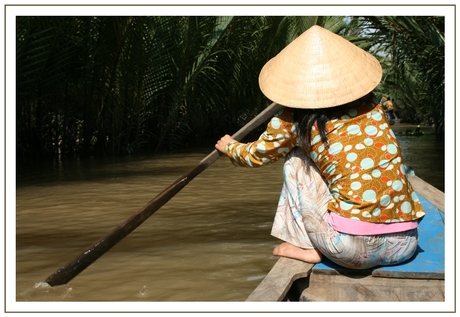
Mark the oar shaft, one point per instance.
(73, 268)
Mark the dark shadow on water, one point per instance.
(423, 153)
(426, 156)
(43, 172)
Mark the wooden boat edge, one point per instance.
(431, 193)
(279, 280)
(285, 272)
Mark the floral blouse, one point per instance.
(361, 163)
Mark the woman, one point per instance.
(389, 108)
(345, 193)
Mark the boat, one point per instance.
(419, 279)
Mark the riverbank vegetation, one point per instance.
(115, 86)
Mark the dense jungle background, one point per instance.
(117, 86)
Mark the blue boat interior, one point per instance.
(428, 262)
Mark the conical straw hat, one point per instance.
(319, 69)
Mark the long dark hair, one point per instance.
(305, 119)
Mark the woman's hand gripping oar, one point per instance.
(73, 268)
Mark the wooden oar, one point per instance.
(73, 268)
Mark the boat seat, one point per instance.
(428, 262)
(291, 279)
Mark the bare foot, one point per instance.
(291, 251)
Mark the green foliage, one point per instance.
(412, 53)
(120, 85)
(115, 85)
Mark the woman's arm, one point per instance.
(278, 139)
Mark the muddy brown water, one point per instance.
(211, 242)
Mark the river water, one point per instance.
(211, 242)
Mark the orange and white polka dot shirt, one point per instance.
(361, 163)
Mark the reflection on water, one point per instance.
(423, 153)
(211, 242)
